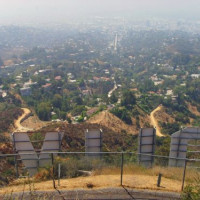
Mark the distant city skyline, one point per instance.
(61, 11)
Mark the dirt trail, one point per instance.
(114, 88)
(17, 123)
(154, 121)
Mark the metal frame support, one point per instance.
(153, 146)
(122, 168)
(15, 157)
(53, 170)
(184, 173)
(59, 172)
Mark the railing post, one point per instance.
(184, 173)
(59, 174)
(16, 167)
(122, 167)
(15, 157)
(52, 161)
(159, 179)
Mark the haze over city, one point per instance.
(62, 11)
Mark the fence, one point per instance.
(120, 168)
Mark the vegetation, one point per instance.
(192, 191)
(169, 128)
(44, 111)
(128, 99)
(123, 114)
(8, 113)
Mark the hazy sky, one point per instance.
(40, 11)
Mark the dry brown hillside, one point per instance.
(109, 120)
(193, 109)
(162, 116)
(74, 137)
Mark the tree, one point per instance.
(148, 86)
(57, 101)
(63, 115)
(78, 110)
(78, 100)
(128, 99)
(65, 105)
(123, 114)
(170, 128)
(44, 111)
(82, 83)
(113, 98)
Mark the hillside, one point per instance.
(109, 120)
(162, 116)
(74, 137)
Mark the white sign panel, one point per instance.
(146, 145)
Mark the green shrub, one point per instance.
(192, 191)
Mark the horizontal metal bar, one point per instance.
(135, 153)
(49, 150)
(188, 138)
(37, 141)
(26, 150)
(44, 158)
(92, 146)
(30, 167)
(191, 167)
(27, 159)
(150, 160)
(179, 150)
(34, 141)
(193, 145)
(146, 136)
(179, 144)
(193, 151)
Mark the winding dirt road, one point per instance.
(114, 88)
(154, 121)
(18, 126)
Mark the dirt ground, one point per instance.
(100, 181)
(33, 123)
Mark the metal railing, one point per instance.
(120, 162)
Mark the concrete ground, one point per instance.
(122, 193)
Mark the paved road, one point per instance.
(122, 193)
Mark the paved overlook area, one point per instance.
(122, 193)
